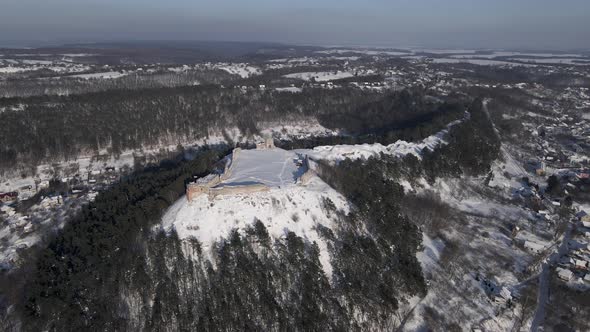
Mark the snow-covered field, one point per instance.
(291, 89)
(322, 76)
(297, 129)
(103, 75)
(241, 69)
(361, 51)
(12, 66)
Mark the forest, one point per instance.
(111, 269)
(56, 128)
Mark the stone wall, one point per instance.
(200, 187)
(268, 143)
(309, 173)
(194, 190)
(237, 190)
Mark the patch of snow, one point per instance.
(431, 253)
(400, 148)
(291, 89)
(11, 70)
(482, 62)
(441, 51)
(321, 76)
(271, 167)
(104, 75)
(367, 52)
(297, 129)
(241, 69)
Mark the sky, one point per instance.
(515, 24)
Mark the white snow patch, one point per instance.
(321, 76)
(11, 70)
(104, 75)
(431, 253)
(241, 69)
(291, 89)
(400, 148)
(297, 129)
(482, 62)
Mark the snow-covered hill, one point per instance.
(296, 208)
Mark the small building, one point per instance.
(28, 228)
(8, 210)
(580, 264)
(534, 247)
(542, 170)
(564, 274)
(8, 197)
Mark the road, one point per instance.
(543, 293)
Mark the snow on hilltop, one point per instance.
(290, 208)
(272, 167)
(287, 206)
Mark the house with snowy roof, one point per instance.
(534, 247)
(564, 274)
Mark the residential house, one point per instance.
(534, 247)
(8, 197)
(564, 274)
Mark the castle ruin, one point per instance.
(212, 184)
(267, 143)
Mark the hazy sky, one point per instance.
(540, 24)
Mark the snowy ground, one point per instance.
(481, 248)
(104, 75)
(482, 62)
(289, 208)
(400, 148)
(291, 89)
(297, 129)
(272, 167)
(241, 69)
(322, 76)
